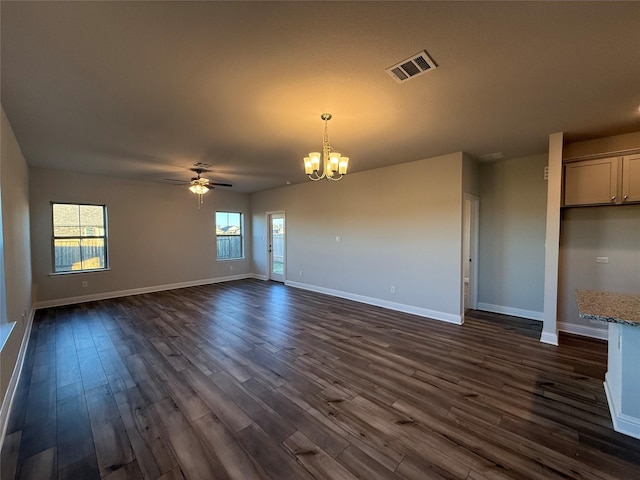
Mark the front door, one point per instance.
(276, 247)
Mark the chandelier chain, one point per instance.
(326, 146)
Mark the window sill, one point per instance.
(229, 259)
(78, 272)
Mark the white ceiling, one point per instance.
(144, 89)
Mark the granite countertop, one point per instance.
(609, 307)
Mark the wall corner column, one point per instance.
(552, 241)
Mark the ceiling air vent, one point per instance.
(200, 165)
(412, 67)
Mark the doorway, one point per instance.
(277, 258)
(470, 218)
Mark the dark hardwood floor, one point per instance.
(255, 380)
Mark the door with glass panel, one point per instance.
(277, 265)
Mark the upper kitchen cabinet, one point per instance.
(631, 178)
(591, 182)
(603, 181)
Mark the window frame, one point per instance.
(80, 238)
(242, 249)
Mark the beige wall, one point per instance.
(16, 242)
(512, 234)
(470, 176)
(157, 235)
(398, 226)
(590, 232)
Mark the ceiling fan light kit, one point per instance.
(200, 186)
(334, 165)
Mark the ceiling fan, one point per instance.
(200, 185)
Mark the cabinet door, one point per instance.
(631, 178)
(591, 182)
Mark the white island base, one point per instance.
(622, 381)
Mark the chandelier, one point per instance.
(334, 166)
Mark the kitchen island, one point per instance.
(622, 381)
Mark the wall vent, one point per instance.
(412, 67)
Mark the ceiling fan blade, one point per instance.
(197, 180)
(176, 181)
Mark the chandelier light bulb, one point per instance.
(315, 161)
(342, 167)
(308, 169)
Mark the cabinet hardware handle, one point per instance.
(613, 199)
(624, 199)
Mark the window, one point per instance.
(79, 237)
(229, 235)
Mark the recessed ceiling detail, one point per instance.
(491, 156)
(412, 67)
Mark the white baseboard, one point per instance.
(621, 423)
(400, 307)
(549, 338)
(259, 277)
(584, 330)
(137, 291)
(514, 312)
(7, 401)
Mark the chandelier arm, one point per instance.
(316, 176)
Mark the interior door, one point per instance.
(277, 260)
(470, 253)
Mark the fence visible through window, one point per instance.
(229, 246)
(277, 254)
(73, 255)
(79, 237)
(229, 243)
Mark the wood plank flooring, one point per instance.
(255, 380)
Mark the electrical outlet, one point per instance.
(230, 267)
(85, 284)
(393, 289)
(602, 259)
(301, 273)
